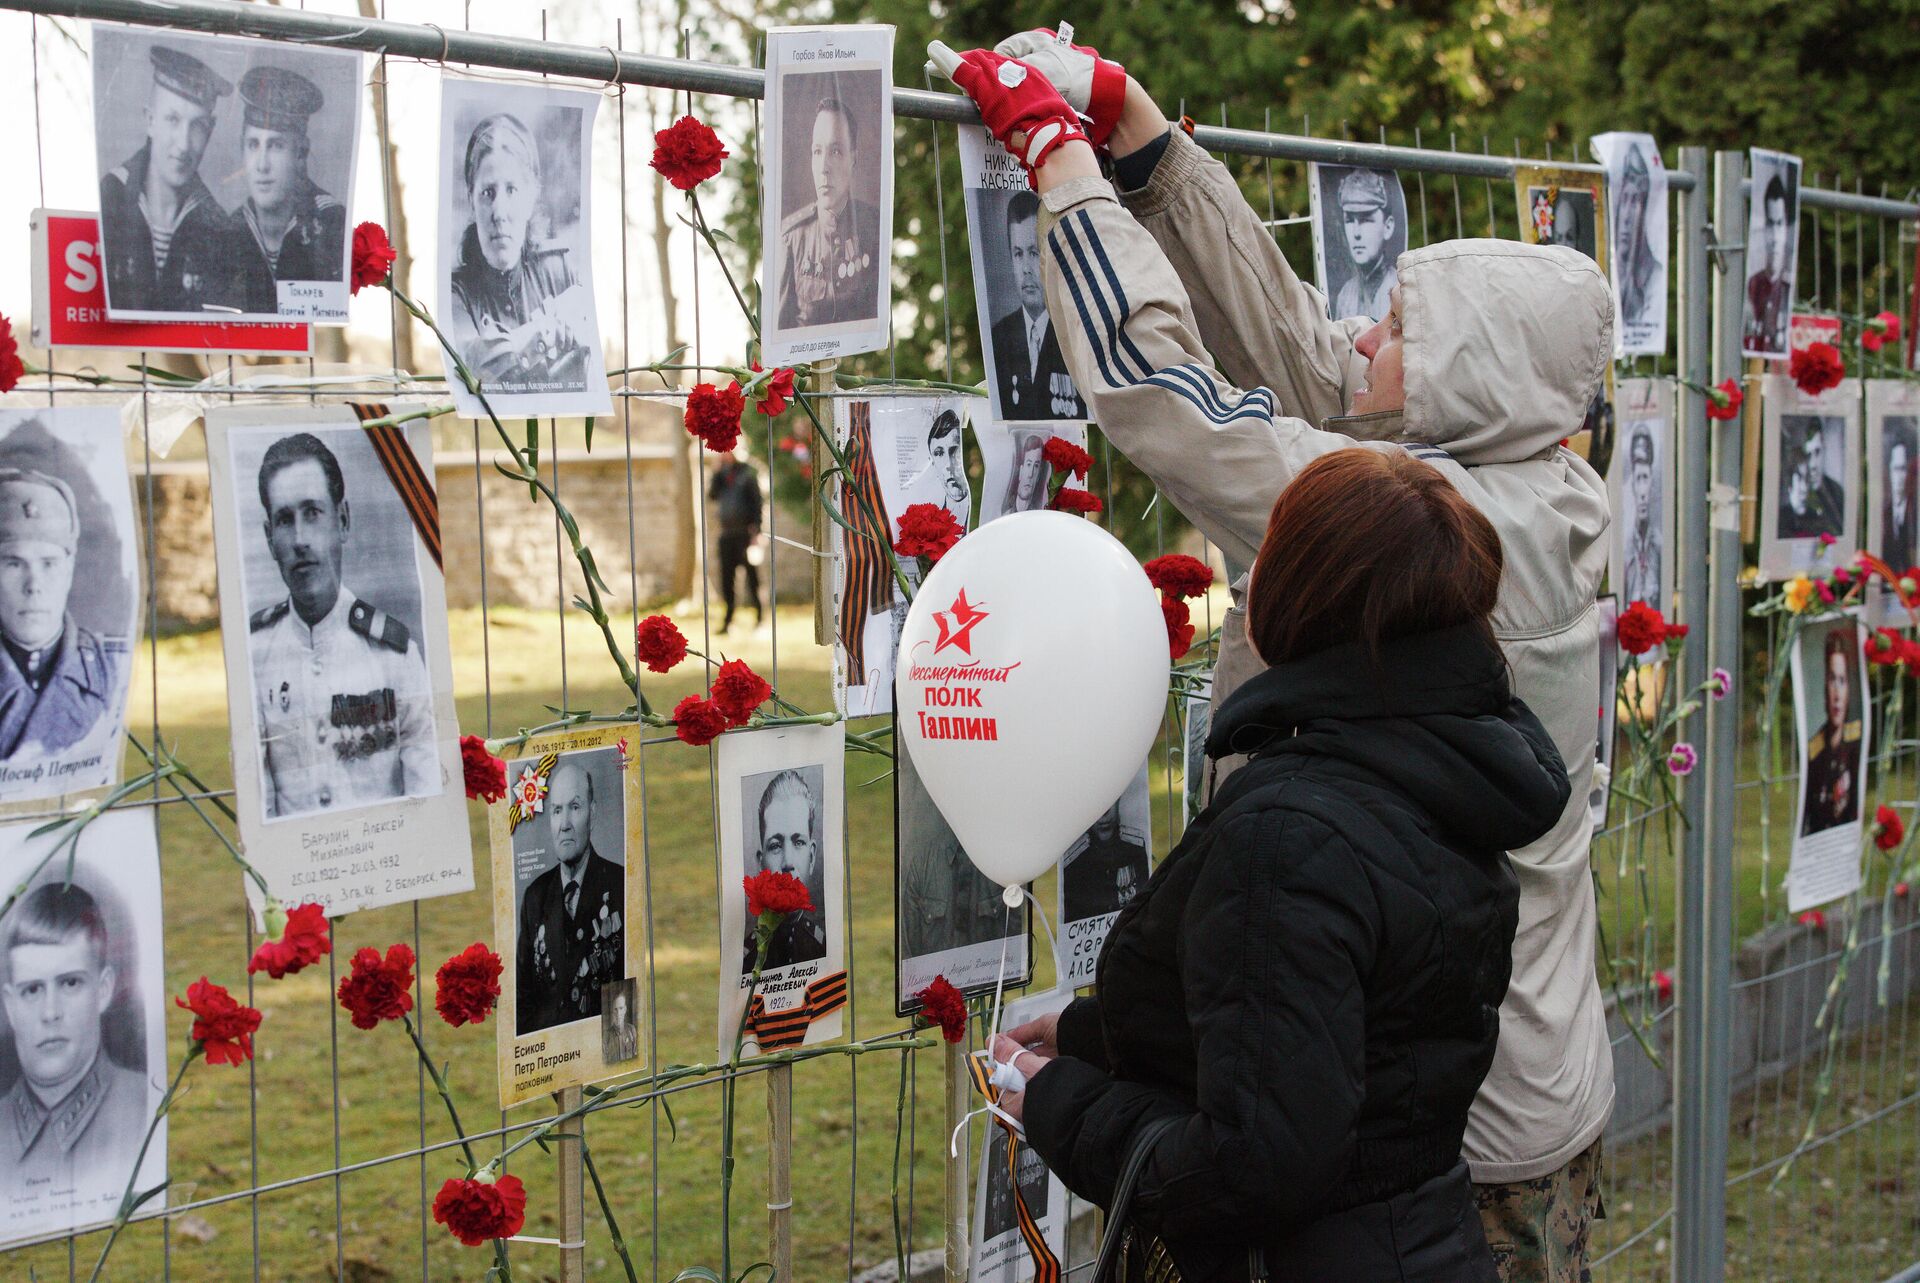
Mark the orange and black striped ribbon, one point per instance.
(776, 1030)
(869, 582)
(1046, 1266)
(410, 479)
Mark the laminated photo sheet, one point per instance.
(1833, 714)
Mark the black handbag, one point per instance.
(1120, 1242)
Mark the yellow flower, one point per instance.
(1799, 593)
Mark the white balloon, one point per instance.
(1030, 686)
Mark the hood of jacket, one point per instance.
(1435, 718)
(1504, 346)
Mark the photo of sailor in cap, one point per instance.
(298, 231)
(341, 694)
(1360, 225)
(165, 239)
(226, 175)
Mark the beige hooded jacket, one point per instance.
(1504, 347)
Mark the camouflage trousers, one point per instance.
(1538, 1229)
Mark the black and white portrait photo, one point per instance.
(69, 599)
(828, 207)
(570, 885)
(1811, 499)
(1773, 248)
(950, 919)
(1027, 378)
(1833, 711)
(1359, 233)
(997, 1187)
(619, 1021)
(1637, 215)
(343, 704)
(1893, 480)
(1000, 1254)
(516, 260)
(1640, 482)
(83, 1051)
(1810, 495)
(1015, 475)
(1100, 874)
(226, 173)
(783, 811)
(339, 666)
(919, 451)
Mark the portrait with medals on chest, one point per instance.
(336, 641)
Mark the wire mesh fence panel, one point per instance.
(322, 1157)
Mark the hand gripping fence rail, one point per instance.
(1699, 1135)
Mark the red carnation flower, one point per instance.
(659, 643)
(223, 1027)
(1063, 456)
(1178, 575)
(1900, 890)
(1880, 330)
(713, 415)
(738, 690)
(1179, 626)
(1813, 918)
(1888, 831)
(1640, 628)
(1663, 986)
(1817, 367)
(480, 1208)
(303, 941)
(687, 153)
(486, 774)
(1724, 401)
(698, 721)
(942, 1005)
(373, 256)
(1066, 500)
(775, 393)
(1885, 646)
(467, 985)
(771, 892)
(11, 366)
(378, 988)
(927, 530)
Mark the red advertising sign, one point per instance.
(70, 303)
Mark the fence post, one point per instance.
(1702, 1067)
(780, 1173)
(954, 1057)
(571, 1187)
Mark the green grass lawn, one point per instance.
(660, 1160)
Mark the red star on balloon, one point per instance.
(964, 617)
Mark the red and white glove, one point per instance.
(1015, 99)
(1093, 86)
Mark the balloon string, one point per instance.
(993, 1028)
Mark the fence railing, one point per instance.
(1670, 1191)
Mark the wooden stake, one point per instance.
(572, 1189)
(959, 1096)
(780, 1172)
(825, 617)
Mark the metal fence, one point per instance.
(317, 1166)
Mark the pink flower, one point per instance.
(1682, 759)
(1720, 683)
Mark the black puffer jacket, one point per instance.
(1310, 983)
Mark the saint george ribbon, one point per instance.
(777, 1030)
(1046, 1266)
(410, 480)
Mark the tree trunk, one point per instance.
(685, 576)
(396, 215)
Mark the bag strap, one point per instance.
(1137, 1156)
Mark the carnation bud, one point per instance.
(276, 919)
(486, 1175)
(1908, 587)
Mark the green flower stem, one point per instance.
(70, 828)
(529, 472)
(519, 738)
(408, 416)
(128, 1203)
(501, 1265)
(699, 224)
(606, 1213)
(175, 767)
(747, 375)
(763, 930)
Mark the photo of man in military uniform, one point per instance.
(831, 258)
(56, 679)
(1833, 781)
(341, 695)
(1899, 528)
(1642, 545)
(619, 1028)
(572, 938)
(1368, 207)
(296, 231)
(1030, 375)
(944, 901)
(166, 243)
(787, 818)
(73, 1119)
(1104, 869)
(1812, 500)
(1771, 250)
(1636, 260)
